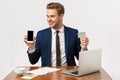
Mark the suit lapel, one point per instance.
(66, 40)
(49, 45)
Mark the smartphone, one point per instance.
(30, 35)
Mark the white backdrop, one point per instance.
(100, 19)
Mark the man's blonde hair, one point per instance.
(58, 6)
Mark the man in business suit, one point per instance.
(45, 44)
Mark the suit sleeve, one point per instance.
(34, 57)
(77, 47)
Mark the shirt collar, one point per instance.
(61, 30)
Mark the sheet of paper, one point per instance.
(41, 71)
(29, 76)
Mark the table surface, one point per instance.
(57, 75)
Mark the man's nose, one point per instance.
(49, 19)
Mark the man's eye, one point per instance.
(47, 16)
(52, 16)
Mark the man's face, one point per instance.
(54, 20)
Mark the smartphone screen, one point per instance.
(30, 36)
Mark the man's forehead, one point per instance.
(51, 12)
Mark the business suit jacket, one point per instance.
(44, 42)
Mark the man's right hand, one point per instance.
(31, 46)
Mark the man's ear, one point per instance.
(61, 16)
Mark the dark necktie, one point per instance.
(58, 56)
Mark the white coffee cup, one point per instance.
(19, 70)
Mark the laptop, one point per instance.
(89, 62)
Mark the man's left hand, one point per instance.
(84, 43)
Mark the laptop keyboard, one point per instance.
(75, 72)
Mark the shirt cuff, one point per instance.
(31, 51)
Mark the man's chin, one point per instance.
(51, 26)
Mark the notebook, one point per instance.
(89, 62)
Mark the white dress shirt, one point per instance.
(62, 47)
